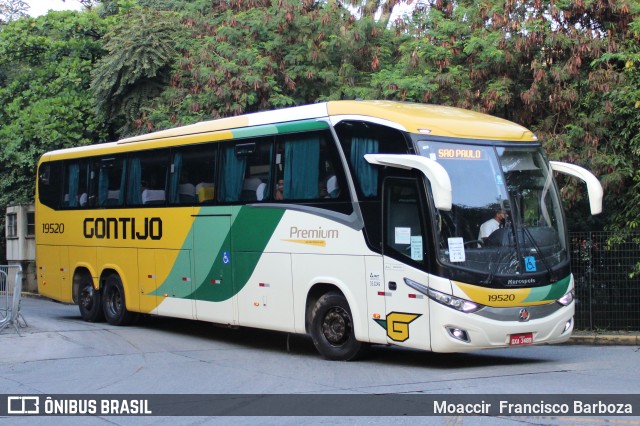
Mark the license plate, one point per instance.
(521, 339)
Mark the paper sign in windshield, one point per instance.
(403, 235)
(416, 247)
(456, 249)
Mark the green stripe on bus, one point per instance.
(559, 288)
(250, 233)
(549, 292)
(272, 129)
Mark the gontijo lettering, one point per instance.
(122, 228)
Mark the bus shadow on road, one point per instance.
(302, 345)
(459, 361)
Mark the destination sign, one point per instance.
(460, 154)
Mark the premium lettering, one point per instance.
(295, 232)
(123, 228)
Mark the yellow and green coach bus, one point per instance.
(357, 222)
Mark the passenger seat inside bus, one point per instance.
(332, 187)
(249, 189)
(153, 196)
(205, 191)
(187, 193)
(260, 191)
(113, 198)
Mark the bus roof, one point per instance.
(412, 117)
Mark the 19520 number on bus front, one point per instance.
(502, 297)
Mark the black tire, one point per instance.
(332, 329)
(113, 302)
(90, 301)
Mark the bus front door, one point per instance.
(407, 316)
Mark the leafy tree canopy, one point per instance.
(44, 99)
(243, 56)
(566, 69)
(140, 50)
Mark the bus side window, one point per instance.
(360, 138)
(245, 170)
(110, 187)
(232, 169)
(147, 178)
(402, 220)
(300, 175)
(308, 167)
(259, 174)
(333, 184)
(75, 184)
(50, 184)
(191, 174)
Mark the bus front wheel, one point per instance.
(90, 302)
(113, 302)
(332, 329)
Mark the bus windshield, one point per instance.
(506, 216)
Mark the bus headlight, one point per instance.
(567, 298)
(456, 303)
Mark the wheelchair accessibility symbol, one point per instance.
(530, 264)
(225, 258)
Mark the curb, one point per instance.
(605, 339)
(31, 295)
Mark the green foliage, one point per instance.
(568, 70)
(140, 50)
(189, 6)
(551, 66)
(624, 135)
(44, 100)
(248, 56)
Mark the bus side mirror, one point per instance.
(594, 189)
(434, 172)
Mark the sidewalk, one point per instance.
(620, 338)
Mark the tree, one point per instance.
(623, 133)
(44, 101)
(135, 69)
(245, 56)
(544, 64)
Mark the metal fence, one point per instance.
(607, 281)
(10, 294)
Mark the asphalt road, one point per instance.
(58, 353)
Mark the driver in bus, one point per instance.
(492, 225)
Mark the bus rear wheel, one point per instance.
(332, 329)
(90, 302)
(113, 302)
